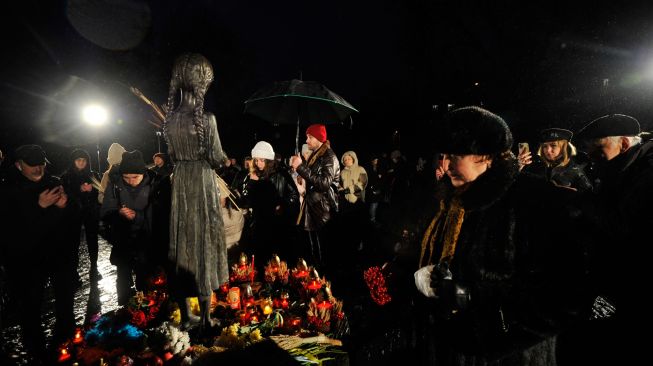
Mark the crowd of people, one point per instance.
(507, 253)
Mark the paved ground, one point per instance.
(90, 299)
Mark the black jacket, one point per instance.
(322, 180)
(619, 215)
(82, 202)
(38, 232)
(570, 175)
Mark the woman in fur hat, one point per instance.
(486, 294)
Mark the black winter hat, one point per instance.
(610, 125)
(31, 155)
(161, 155)
(80, 153)
(473, 130)
(132, 163)
(555, 134)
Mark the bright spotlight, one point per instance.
(95, 115)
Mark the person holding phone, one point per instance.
(35, 209)
(557, 161)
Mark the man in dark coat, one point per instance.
(34, 208)
(617, 217)
(322, 175)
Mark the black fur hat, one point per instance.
(473, 130)
(610, 125)
(132, 163)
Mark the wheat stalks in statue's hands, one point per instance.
(159, 113)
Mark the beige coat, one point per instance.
(353, 178)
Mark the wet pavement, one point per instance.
(90, 299)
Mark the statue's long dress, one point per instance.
(197, 238)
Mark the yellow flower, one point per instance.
(255, 335)
(175, 316)
(194, 305)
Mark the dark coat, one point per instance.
(85, 203)
(512, 309)
(130, 239)
(618, 214)
(322, 180)
(39, 230)
(570, 175)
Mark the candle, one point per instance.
(314, 285)
(324, 305)
(252, 274)
(267, 310)
(233, 298)
(242, 315)
(301, 274)
(284, 303)
(64, 355)
(266, 306)
(254, 319)
(78, 338)
(294, 324)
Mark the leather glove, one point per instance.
(453, 294)
(440, 273)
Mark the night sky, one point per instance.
(398, 62)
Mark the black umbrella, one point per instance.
(296, 101)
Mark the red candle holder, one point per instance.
(159, 281)
(314, 285)
(294, 324)
(301, 274)
(249, 301)
(64, 353)
(243, 317)
(324, 305)
(78, 337)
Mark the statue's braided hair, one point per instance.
(191, 73)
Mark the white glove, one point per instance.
(423, 281)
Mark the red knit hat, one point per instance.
(318, 131)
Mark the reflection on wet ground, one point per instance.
(90, 299)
